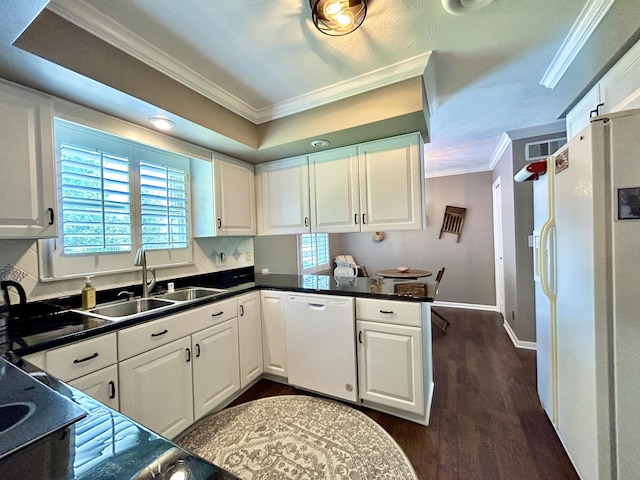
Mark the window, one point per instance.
(314, 252)
(114, 196)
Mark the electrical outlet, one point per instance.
(249, 256)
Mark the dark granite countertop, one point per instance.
(103, 445)
(48, 324)
(117, 447)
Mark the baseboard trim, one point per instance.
(516, 342)
(468, 306)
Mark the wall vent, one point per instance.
(539, 150)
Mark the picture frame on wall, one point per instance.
(629, 203)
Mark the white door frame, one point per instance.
(498, 245)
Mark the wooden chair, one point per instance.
(432, 292)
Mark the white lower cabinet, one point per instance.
(395, 369)
(156, 388)
(250, 337)
(390, 365)
(274, 337)
(216, 366)
(101, 385)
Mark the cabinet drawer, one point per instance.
(144, 337)
(81, 358)
(215, 313)
(388, 311)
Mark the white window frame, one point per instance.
(317, 267)
(55, 266)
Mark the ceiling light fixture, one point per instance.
(162, 123)
(338, 17)
(320, 143)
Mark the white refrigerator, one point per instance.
(587, 272)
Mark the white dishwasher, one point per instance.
(321, 344)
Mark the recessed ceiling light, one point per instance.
(162, 123)
(320, 143)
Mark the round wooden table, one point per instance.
(412, 273)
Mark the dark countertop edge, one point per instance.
(279, 282)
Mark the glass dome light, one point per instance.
(338, 17)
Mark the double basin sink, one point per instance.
(136, 307)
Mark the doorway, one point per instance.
(497, 245)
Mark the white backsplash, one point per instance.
(19, 262)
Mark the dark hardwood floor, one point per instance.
(486, 419)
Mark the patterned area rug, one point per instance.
(297, 437)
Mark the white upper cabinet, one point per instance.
(223, 197)
(392, 184)
(27, 184)
(619, 89)
(375, 186)
(283, 197)
(335, 191)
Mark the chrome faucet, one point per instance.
(141, 261)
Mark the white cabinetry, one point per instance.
(335, 191)
(176, 369)
(394, 357)
(250, 337)
(216, 369)
(274, 338)
(223, 197)
(392, 184)
(283, 197)
(374, 186)
(88, 365)
(156, 388)
(27, 183)
(619, 89)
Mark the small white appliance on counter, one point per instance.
(587, 272)
(321, 344)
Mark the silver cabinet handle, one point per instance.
(242, 310)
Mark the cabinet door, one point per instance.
(235, 201)
(283, 197)
(28, 165)
(390, 366)
(101, 385)
(335, 197)
(250, 337)
(392, 184)
(274, 344)
(156, 388)
(216, 366)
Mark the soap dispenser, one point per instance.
(88, 295)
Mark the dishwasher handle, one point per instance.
(318, 306)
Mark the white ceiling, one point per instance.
(264, 59)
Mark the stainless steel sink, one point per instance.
(130, 308)
(13, 414)
(190, 293)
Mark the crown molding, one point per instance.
(95, 22)
(503, 144)
(409, 68)
(589, 18)
(92, 20)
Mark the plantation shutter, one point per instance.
(96, 201)
(314, 252)
(164, 206)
